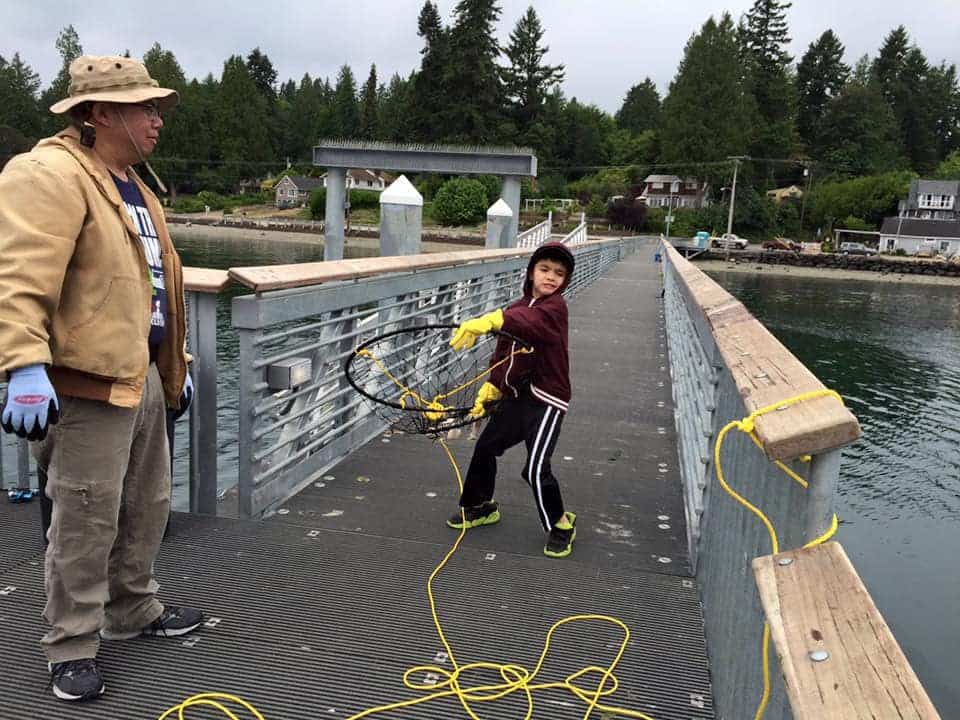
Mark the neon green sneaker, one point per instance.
(560, 541)
(486, 513)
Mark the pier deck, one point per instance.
(317, 611)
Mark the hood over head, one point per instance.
(550, 251)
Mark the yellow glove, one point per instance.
(487, 394)
(466, 334)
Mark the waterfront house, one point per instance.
(294, 190)
(928, 221)
(364, 180)
(920, 237)
(671, 191)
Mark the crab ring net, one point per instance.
(418, 384)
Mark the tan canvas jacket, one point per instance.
(74, 282)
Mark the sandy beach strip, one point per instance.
(216, 232)
(754, 268)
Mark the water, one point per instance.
(893, 352)
(219, 252)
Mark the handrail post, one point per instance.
(824, 476)
(203, 412)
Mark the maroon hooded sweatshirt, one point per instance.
(542, 322)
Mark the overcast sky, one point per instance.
(606, 45)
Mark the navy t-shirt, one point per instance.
(137, 209)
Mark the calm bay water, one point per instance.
(893, 352)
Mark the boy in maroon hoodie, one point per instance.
(533, 390)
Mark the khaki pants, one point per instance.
(108, 475)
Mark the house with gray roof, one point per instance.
(294, 190)
(928, 222)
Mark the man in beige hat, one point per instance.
(92, 344)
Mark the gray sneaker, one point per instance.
(76, 679)
(174, 621)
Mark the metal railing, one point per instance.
(537, 235)
(287, 437)
(709, 392)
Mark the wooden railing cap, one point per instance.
(767, 373)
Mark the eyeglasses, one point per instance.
(151, 110)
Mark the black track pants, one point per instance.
(524, 420)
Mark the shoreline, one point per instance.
(218, 232)
(754, 268)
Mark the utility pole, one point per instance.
(669, 215)
(807, 173)
(733, 196)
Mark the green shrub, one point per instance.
(460, 202)
(364, 199)
(492, 185)
(854, 223)
(318, 203)
(216, 201)
(187, 205)
(900, 251)
(596, 208)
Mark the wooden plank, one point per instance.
(205, 280)
(276, 277)
(817, 602)
(766, 373)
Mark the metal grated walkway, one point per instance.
(317, 611)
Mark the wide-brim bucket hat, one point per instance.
(112, 78)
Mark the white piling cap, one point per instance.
(401, 192)
(500, 209)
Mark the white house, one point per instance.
(920, 237)
(928, 222)
(374, 180)
(668, 191)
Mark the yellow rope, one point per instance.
(434, 409)
(515, 678)
(747, 425)
(211, 700)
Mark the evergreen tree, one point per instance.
(472, 107)
(905, 79)
(641, 108)
(69, 47)
(263, 73)
(581, 136)
(396, 109)
(346, 111)
(707, 112)
(370, 107)
(764, 41)
(307, 117)
(887, 69)
(18, 97)
(429, 97)
(858, 133)
(178, 139)
(241, 129)
(429, 26)
(944, 92)
(821, 76)
(528, 80)
(918, 118)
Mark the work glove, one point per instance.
(186, 397)
(31, 405)
(486, 395)
(466, 335)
